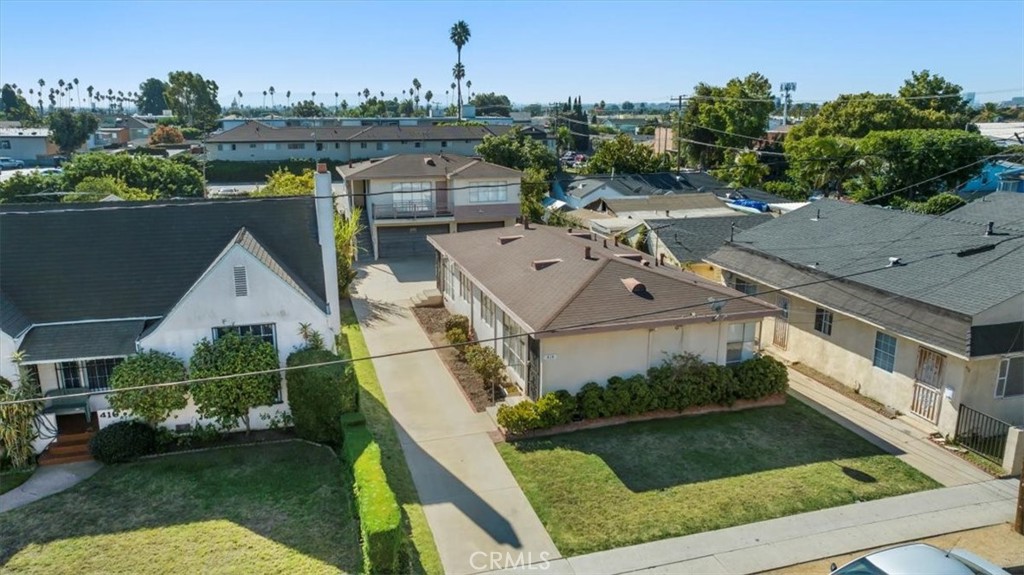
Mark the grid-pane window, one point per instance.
(741, 342)
(296, 146)
(412, 196)
(465, 288)
(742, 285)
(823, 321)
(98, 372)
(885, 352)
(264, 331)
(489, 192)
(69, 374)
(487, 309)
(1011, 377)
(514, 346)
(449, 279)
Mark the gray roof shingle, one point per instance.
(48, 343)
(693, 239)
(425, 165)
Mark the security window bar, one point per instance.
(823, 321)
(885, 352)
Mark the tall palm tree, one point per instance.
(459, 72)
(288, 96)
(78, 95)
(60, 91)
(469, 84)
(335, 102)
(271, 96)
(89, 90)
(264, 98)
(459, 35)
(314, 96)
(366, 93)
(428, 97)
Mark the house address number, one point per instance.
(550, 356)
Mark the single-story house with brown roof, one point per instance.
(570, 307)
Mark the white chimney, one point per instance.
(325, 213)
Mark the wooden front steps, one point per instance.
(68, 448)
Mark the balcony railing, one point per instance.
(410, 210)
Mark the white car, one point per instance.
(917, 559)
(10, 163)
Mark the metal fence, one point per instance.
(981, 433)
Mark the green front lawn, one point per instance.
(615, 486)
(11, 479)
(279, 508)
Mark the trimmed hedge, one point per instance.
(123, 441)
(318, 396)
(380, 518)
(236, 171)
(679, 383)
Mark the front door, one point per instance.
(927, 384)
(781, 338)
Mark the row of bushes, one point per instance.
(319, 396)
(380, 518)
(484, 360)
(679, 383)
(232, 172)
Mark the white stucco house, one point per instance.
(586, 309)
(86, 285)
(29, 145)
(405, 198)
(924, 314)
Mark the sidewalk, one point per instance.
(46, 481)
(895, 436)
(472, 502)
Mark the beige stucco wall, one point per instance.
(1008, 311)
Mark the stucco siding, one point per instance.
(27, 149)
(980, 393)
(277, 151)
(7, 349)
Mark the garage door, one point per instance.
(405, 242)
(480, 226)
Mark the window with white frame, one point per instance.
(449, 279)
(93, 374)
(823, 321)
(741, 342)
(1010, 381)
(885, 352)
(412, 196)
(264, 331)
(269, 146)
(514, 346)
(489, 192)
(486, 309)
(465, 287)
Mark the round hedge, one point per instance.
(123, 441)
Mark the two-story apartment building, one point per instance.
(255, 141)
(407, 197)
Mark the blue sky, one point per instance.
(531, 51)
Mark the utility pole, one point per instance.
(679, 134)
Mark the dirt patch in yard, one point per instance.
(477, 393)
(836, 385)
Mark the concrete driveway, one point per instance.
(480, 518)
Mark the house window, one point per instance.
(741, 342)
(93, 374)
(465, 289)
(362, 145)
(1010, 381)
(5, 144)
(418, 145)
(264, 331)
(823, 321)
(380, 146)
(269, 146)
(885, 352)
(252, 146)
(444, 144)
(234, 147)
(489, 192)
(220, 147)
(319, 146)
(514, 348)
(337, 145)
(449, 274)
(487, 310)
(296, 146)
(413, 196)
(241, 282)
(742, 285)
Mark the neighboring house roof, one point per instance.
(254, 131)
(425, 166)
(570, 292)
(1003, 209)
(695, 201)
(1001, 131)
(653, 184)
(82, 340)
(693, 239)
(24, 132)
(953, 270)
(75, 262)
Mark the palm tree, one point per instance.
(78, 95)
(60, 91)
(459, 72)
(459, 35)
(366, 93)
(335, 102)
(89, 91)
(428, 97)
(344, 105)
(271, 96)
(288, 96)
(240, 99)
(314, 96)
(264, 98)
(469, 84)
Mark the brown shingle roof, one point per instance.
(425, 165)
(578, 293)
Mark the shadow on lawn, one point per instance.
(292, 493)
(664, 453)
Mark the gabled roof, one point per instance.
(248, 241)
(89, 340)
(255, 132)
(74, 262)
(425, 165)
(543, 278)
(693, 239)
(1004, 209)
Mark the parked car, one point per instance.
(51, 171)
(917, 558)
(10, 163)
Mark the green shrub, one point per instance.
(590, 401)
(641, 397)
(231, 172)
(380, 518)
(760, 377)
(318, 396)
(191, 133)
(488, 365)
(153, 405)
(556, 408)
(457, 321)
(616, 397)
(519, 418)
(123, 441)
(228, 401)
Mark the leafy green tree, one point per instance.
(285, 183)
(345, 231)
(491, 104)
(16, 108)
(516, 150)
(308, 109)
(823, 162)
(17, 420)
(628, 106)
(743, 171)
(563, 139)
(151, 97)
(459, 35)
(624, 156)
(721, 117)
(228, 401)
(937, 205)
(948, 96)
(319, 396)
(70, 130)
(193, 99)
(152, 405)
(162, 177)
(532, 191)
(32, 187)
(856, 115)
(94, 189)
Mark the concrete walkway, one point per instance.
(472, 502)
(896, 436)
(46, 481)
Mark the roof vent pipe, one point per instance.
(988, 228)
(606, 243)
(586, 252)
